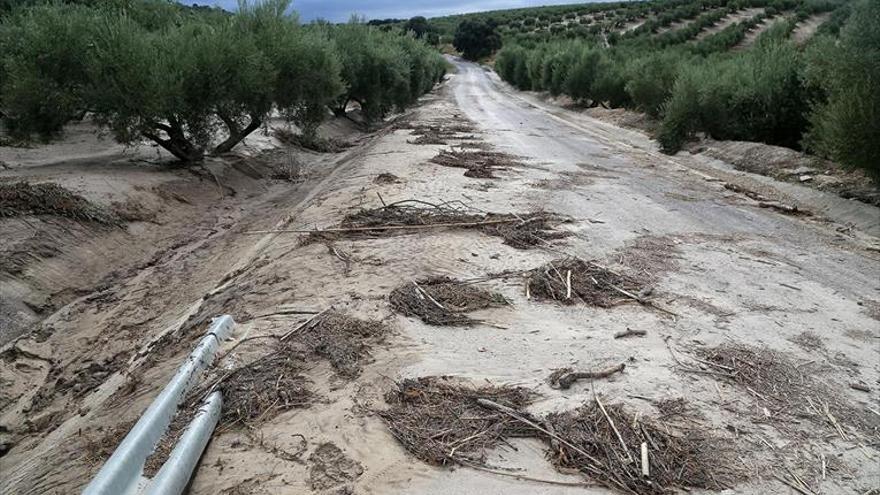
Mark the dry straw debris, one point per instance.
(442, 300)
(443, 421)
(21, 198)
(479, 164)
(386, 178)
(438, 419)
(439, 132)
(605, 442)
(786, 389)
(343, 340)
(573, 280)
(410, 216)
(264, 388)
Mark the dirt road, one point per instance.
(719, 257)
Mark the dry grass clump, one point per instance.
(343, 340)
(479, 164)
(438, 419)
(648, 257)
(573, 280)
(101, 441)
(406, 217)
(21, 198)
(808, 341)
(786, 388)
(386, 178)
(314, 143)
(530, 229)
(604, 442)
(439, 132)
(442, 300)
(266, 387)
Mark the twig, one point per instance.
(834, 421)
(860, 387)
(523, 477)
(425, 293)
(379, 227)
(304, 325)
(564, 381)
(794, 486)
(519, 417)
(630, 333)
(613, 427)
(288, 312)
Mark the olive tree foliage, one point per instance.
(383, 70)
(477, 39)
(179, 81)
(845, 124)
(42, 74)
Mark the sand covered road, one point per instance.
(719, 275)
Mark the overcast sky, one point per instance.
(341, 10)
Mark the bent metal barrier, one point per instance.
(122, 474)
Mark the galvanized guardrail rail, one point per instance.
(122, 474)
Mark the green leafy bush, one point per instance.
(752, 96)
(382, 70)
(477, 39)
(44, 71)
(651, 79)
(846, 125)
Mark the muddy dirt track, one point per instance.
(755, 306)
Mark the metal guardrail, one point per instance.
(122, 474)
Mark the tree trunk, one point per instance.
(177, 144)
(339, 110)
(236, 134)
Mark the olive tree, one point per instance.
(374, 69)
(477, 39)
(42, 67)
(191, 85)
(845, 123)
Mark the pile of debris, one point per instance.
(341, 339)
(21, 198)
(439, 132)
(266, 387)
(479, 164)
(785, 388)
(442, 300)
(573, 280)
(386, 178)
(408, 216)
(439, 420)
(313, 143)
(635, 454)
(444, 421)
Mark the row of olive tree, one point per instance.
(822, 98)
(193, 84)
(383, 70)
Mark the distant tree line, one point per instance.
(149, 69)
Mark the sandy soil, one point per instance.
(729, 269)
